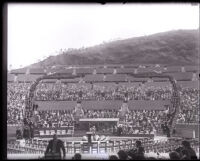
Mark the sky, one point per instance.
(36, 31)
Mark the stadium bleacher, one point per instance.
(134, 79)
(106, 78)
(172, 69)
(160, 79)
(143, 70)
(19, 71)
(10, 77)
(55, 105)
(84, 70)
(108, 105)
(115, 78)
(189, 84)
(75, 80)
(94, 78)
(104, 70)
(65, 71)
(181, 76)
(148, 105)
(130, 84)
(38, 71)
(158, 84)
(191, 68)
(27, 77)
(125, 70)
(49, 80)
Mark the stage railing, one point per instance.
(111, 146)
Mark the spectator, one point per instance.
(174, 155)
(18, 133)
(77, 156)
(138, 152)
(54, 147)
(122, 155)
(187, 151)
(113, 157)
(185, 155)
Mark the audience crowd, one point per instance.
(70, 92)
(16, 97)
(56, 118)
(17, 93)
(179, 151)
(134, 122)
(189, 102)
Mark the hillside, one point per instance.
(179, 47)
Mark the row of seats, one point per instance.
(188, 76)
(108, 69)
(109, 105)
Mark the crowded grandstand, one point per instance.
(133, 112)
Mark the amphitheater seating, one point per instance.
(184, 76)
(55, 105)
(10, 77)
(80, 85)
(65, 71)
(114, 66)
(191, 68)
(105, 84)
(75, 80)
(148, 105)
(131, 84)
(108, 105)
(115, 78)
(125, 70)
(157, 84)
(143, 70)
(104, 70)
(134, 79)
(18, 71)
(171, 69)
(94, 78)
(131, 66)
(84, 70)
(156, 69)
(49, 80)
(53, 70)
(155, 79)
(95, 105)
(189, 84)
(27, 78)
(36, 71)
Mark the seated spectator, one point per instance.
(174, 155)
(113, 157)
(138, 152)
(77, 156)
(18, 133)
(185, 155)
(122, 155)
(187, 151)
